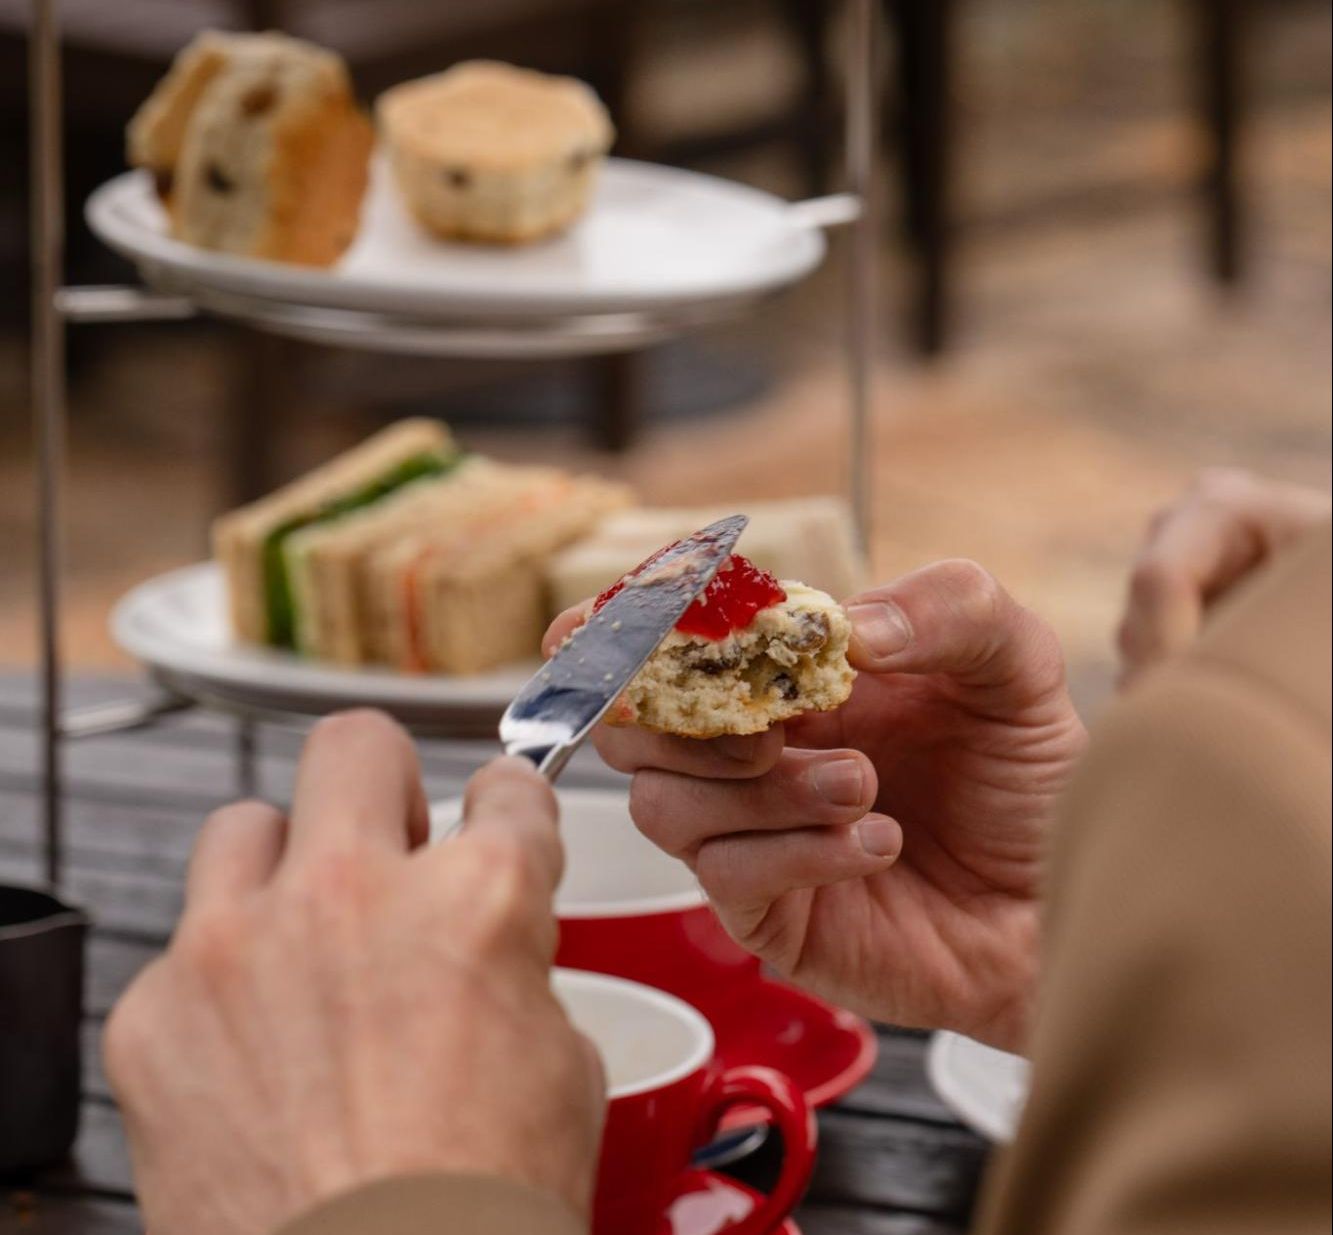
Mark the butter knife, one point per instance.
(557, 709)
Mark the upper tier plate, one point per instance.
(176, 625)
(653, 239)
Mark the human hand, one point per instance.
(1223, 527)
(886, 855)
(336, 1007)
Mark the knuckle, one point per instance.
(125, 1038)
(722, 872)
(506, 888)
(653, 805)
(339, 877)
(1151, 580)
(1223, 484)
(976, 592)
(354, 726)
(211, 940)
(233, 810)
(621, 749)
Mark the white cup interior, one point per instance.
(611, 868)
(647, 1038)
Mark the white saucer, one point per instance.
(986, 1088)
(176, 625)
(653, 238)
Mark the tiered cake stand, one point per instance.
(616, 284)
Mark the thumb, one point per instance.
(953, 618)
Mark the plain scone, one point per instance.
(488, 152)
(791, 659)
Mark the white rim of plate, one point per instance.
(113, 212)
(994, 1119)
(252, 669)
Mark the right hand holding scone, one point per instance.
(886, 855)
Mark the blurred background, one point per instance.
(1106, 263)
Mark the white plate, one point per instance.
(653, 238)
(984, 1087)
(176, 625)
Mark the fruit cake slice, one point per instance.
(750, 652)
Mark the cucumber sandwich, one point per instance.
(405, 551)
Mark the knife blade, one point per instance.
(550, 717)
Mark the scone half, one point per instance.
(792, 658)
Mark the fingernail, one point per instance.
(741, 747)
(840, 782)
(881, 627)
(881, 838)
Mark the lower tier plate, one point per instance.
(176, 626)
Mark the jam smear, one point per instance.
(738, 591)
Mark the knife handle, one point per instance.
(549, 760)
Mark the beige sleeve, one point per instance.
(439, 1205)
(1181, 1059)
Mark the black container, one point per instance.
(41, 1007)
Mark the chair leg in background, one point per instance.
(617, 402)
(923, 30)
(1218, 42)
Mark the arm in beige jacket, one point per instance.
(1181, 1059)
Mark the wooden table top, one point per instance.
(892, 1159)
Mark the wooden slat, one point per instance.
(848, 1220)
(112, 963)
(123, 902)
(101, 1161)
(898, 1085)
(897, 1164)
(33, 1213)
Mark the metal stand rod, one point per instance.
(247, 764)
(835, 210)
(47, 204)
(862, 284)
(120, 716)
(120, 304)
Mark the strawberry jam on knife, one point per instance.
(738, 591)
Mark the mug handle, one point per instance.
(779, 1096)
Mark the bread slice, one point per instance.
(808, 538)
(240, 537)
(336, 601)
(791, 659)
(458, 597)
(489, 152)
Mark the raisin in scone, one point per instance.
(493, 153)
(750, 652)
(257, 147)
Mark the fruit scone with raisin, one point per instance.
(257, 148)
(750, 652)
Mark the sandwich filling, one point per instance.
(279, 595)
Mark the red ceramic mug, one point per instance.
(666, 1097)
(628, 909)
